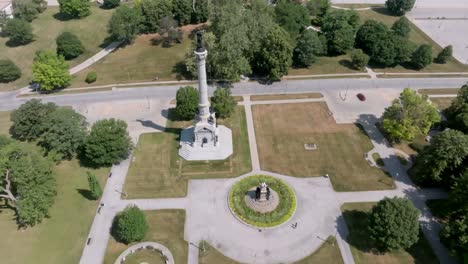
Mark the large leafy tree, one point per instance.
(457, 113)
(201, 12)
(153, 11)
(223, 103)
(66, 131)
(8, 71)
(19, 31)
(307, 49)
(402, 27)
(50, 71)
(75, 8)
(107, 143)
(409, 115)
(399, 7)
(186, 102)
(27, 182)
(29, 120)
(339, 28)
(69, 45)
(293, 17)
(458, 195)
(275, 56)
(258, 16)
(422, 57)
(375, 39)
(454, 235)
(209, 40)
(393, 224)
(125, 24)
(183, 11)
(442, 161)
(318, 7)
(130, 225)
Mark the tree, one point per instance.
(4, 18)
(339, 28)
(318, 7)
(8, 71)
(201, 12)
(108, 142)
(445, 55)
(130, 225)
(359, 59)
(403, 49)
(183, 11)
(28, 9)
(459, 104)
(111, 3)
(69, 46)
(223, 103)
(94, 186)
(401, 27)
(399, 7)
(66, 131)
(209, 40)
(307, 49)
(454, 236)
(291, 16)
(169, 25)
(275, 56)
(29, 120)
(27, 182)
(75, 8)
(408, 116)
(153, 11)
(422, 57)
(393, 224)
(19, 31)
(376, 39)
(458, 194)
(125, 24)
(50, 71)
(186, 102)
(442, 161)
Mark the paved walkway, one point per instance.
(209, 218)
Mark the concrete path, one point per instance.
(251, 132)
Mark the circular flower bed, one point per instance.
(284, 210)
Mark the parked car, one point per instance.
(361, 97)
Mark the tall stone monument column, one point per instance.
(206, 140)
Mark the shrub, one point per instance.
(125, 24)
(94, 186)
(422, 57)
(307, 49)
(223, 103)
(9, 71)
(75, 8)
(19, 31)
(393, 224)
(359, 59)
(111, 3)
(186, 102)
(50, 71)
(401, 27)
(69, 46)
(130, 225)
(91, 77)
(445, 55)
(28, 9)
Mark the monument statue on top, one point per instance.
(206, 140)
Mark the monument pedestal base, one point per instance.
(190, 151)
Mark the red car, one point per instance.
(361, 97)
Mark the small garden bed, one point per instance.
(284, 210)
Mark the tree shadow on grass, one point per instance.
(382, 10)
(86, 194)
(13, 44)
(347, 64)
(181, 71)
(359, 235)
(62, 17)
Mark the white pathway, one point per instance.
(318, 211)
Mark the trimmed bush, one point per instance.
(359, 59)
(284, 210)
(186, 102)
(91, 77)
(19, 31)
(422, 57)
(445, 55)
(111, 3)
(69, 45)
(130, 225)
(8, 71)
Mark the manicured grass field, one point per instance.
(355, 215)
(145, 256)
(141, 61)
(91, 30)
(266, 97)
(59, 239)
(328, 253)
(416, 36)
(5, 123)
(439, 91)
(165, 227)
(212, 255)
(283, 129)
(327, 65)
(157, 171)
(442, 103)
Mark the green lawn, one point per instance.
(141, 61)
(355, 215)
(416, 36)
(283, 129)
(442, 103)
(439, 91)
(165, 227)
(266, 97)
(59, 239)
(91, 30)
(327, 65)
(145, 256)
(328, 253)
(157, 171)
